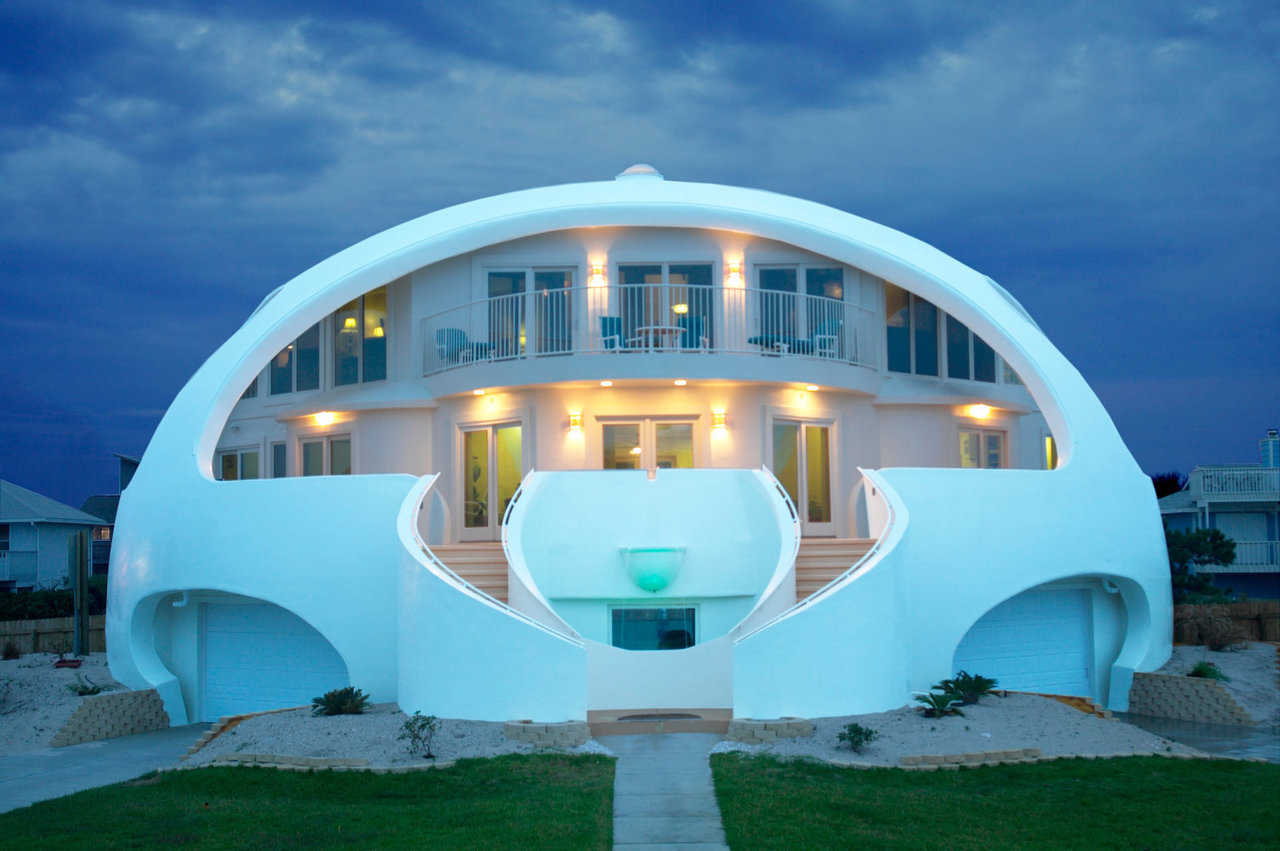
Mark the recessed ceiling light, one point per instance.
(680, 382)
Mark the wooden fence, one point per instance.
(1256, 621)
(52, 635)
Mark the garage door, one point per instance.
(1037, 641)
(258, 656)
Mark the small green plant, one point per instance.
(84, 687)
(11, 651)
(967, 687)
(340, 701)
(1209, 671)
(857, 736)
(938, 705)
(420, 731)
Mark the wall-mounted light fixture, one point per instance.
(812, 388)
(681, 308)
(324, 418)
(597, 278)
(718, 428)
(477, 392)
(733, 274)
(606, 383)
(978, 412)
(575, 423)
(680, 382)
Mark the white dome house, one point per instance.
(635, 444)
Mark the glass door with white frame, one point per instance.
(492, 465)
(802, 464)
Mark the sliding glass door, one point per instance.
(492, 465)
(802, 464)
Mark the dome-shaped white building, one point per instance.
(635, 444)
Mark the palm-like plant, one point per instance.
(966, 687)
(937, 705)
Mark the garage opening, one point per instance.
(1040, 640)
(258, 656)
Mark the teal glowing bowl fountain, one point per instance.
(652, 568)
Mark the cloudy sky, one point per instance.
(163, 166)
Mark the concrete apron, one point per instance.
(663, 796)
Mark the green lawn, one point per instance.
(508, 802)
(1130, 803)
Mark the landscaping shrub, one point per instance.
(1218, 630)
(51, 603)
(419, 730)
(11, 651)
(966, 687)
(1209, 671)
(340, 701)
(84, 687)
(937, 705)
(857, 736)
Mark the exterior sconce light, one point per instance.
(606, 383)
(812, 388)
(477, 392)
(978, 412)
(733, 274)
(575, 423)
(680, 308)
(597, 278)
(324, 418)
(717, 423)
(680, 382)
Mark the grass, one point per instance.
(1137, 802)
(507, 802)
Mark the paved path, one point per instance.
(662, 792)
(54, 772)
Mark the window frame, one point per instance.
(238, 452)
(294, 347)
(651, 604)
(983, 432)
(360, 342)
(326, 453)
(649, 438)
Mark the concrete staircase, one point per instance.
(481, 563)
(821, 560)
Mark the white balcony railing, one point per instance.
(633, 319)
(1239, 482)
(1257, 553)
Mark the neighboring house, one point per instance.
(104, 506)
(34, 530)
(635, 444)
(1243, 502)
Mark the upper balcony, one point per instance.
(1235, 483)
(651, 320)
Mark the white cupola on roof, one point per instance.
(640, 170)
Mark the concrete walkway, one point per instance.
(54, 772)
(662, 792)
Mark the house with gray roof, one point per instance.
(34, 531)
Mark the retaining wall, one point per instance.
(1185, 699)
(565, 734)
(106, 716)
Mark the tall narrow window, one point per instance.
(340, 456)
(897, 305)
(692, 302)
(278, 461)
(313, 458)
(957, 349)
(786, 460)
(1050, 453)
(346, 344)
(984, 360)
(282, 371)
(4, 537)
(673, 446)
(374, 367)
(924, 320)
(818, 473)
(552, 306)
(509, 464)
(308, 358)
(229, 471)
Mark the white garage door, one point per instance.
(1037, 641)
(258, 656)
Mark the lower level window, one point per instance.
(648, 443)
(241, 464)
(654, 629)
(327, 456)
(981, 448)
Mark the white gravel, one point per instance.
(995, 723)
(1253, 673)
(34, 699)
(370, 736)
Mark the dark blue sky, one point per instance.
(163, 166)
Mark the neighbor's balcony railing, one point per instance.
(1251, 557)
(651, 319)
(1239, 482)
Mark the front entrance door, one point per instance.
(802, 463)
(492, 466)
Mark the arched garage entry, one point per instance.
(257, 656)
(1059, 638)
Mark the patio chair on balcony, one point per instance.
(693, 332)
(611, 334)
(826, 338)
(453, 347)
